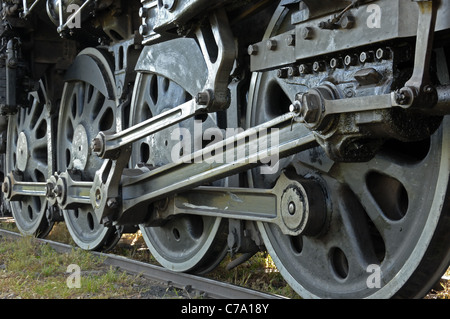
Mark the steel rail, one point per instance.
(210, 288)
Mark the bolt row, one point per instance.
(335, 63)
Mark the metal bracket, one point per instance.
(105, 196)
(218, 47)
(318, 103)
(420, 80)
(297, 207)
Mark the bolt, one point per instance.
(307, 33)
(97, 145)
(404, 96)
(311, 107)
(291, 208)
(203, 98)
(366, 57)
(428, 89)
(382, 54)
(58, 190)
(12, 63)
(5, 187)
(318, 66)
(350, 60)
(282, 73)
(347, 22)
(304, 69)
(295, 107)
(169, 4)
(290, 40)
(112, 203)
(253, 49)
(98, 195)
(293, 71)
(401, 98)
(336, 63)
(107, 221)
(271, 45)
(143, 29)
(49, 190)
(143, 13)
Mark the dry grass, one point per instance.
(442, 291)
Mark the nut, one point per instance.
(97, 145)
(112, 203)
(348, 22)
(282, 73)
(143, 29)
(336, 63)
(58, 190)
(366, 57)
(49, 190)
(295, 107)
(319, 66)
(307, 33)
(304, 69)
(311, 107)
(290, 40)
(143, 13)
(5, 187)
(293, 71)
(204, 98)
(383, 54)
(252, 49)
(271, 45)
(169, 4)
(350, 60)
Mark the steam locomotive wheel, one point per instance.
(193, 244)
(27, 154)
(87, 107)
(387, 234)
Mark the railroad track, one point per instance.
(204, 286)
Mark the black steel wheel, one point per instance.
(193, 244)
(27, 155)
(387, 235)
(88, 106)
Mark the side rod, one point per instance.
(266, 143)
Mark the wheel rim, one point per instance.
(188, 243)
(27, 153)
(391, 213)
(85, 111)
